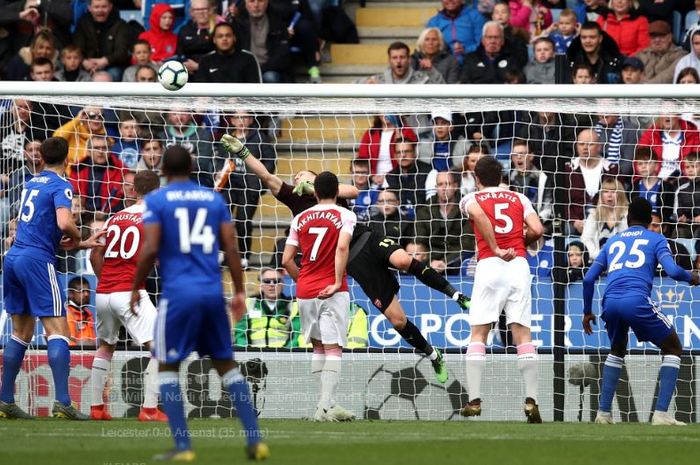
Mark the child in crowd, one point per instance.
(367, 195)
(126, 148)
(577, 261)
(541, 69)
(582, 74)
(161, 37)
(632, 70)
(686, 201)
(71, 59)
(647, 184)
(140, 56)
(564, 31)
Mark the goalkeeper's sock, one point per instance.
(611, 374)
(431, 278)
(150, 384)
(59, 361)
(668, 374)
(330, 377)
(99, 375)
(413, 336)
(171, 395)
(527, 364)
(11, 363)
(238, 389)
(476, 360)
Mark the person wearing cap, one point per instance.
(438, 148)
(400, 71)
(632, 70)
(691, 60)
(626, 26)
(661, 56)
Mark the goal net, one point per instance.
(578, 153)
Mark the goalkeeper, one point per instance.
(371, 255)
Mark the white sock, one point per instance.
(527, 364)
(98, 378)
(330, 376)
(476, 360)
(317, 361)
(151, 386)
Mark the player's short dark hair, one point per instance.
(146, 181)
(76, 281)
(398, 45)
(177, 161)
(326, 185)
(639, 212)
(54, 150)
(489, 171)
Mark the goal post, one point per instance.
(325, 127)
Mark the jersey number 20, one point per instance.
(199, 233)
(618, 249)
(115, 232)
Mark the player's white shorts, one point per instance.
(112, 312)
(326, 320)
(498, 286)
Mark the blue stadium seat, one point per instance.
(678, 28)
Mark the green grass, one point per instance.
(121, 442)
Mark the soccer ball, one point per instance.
(172, 75)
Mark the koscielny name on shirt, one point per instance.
(320, 215)
(500, 195)
(174, 196)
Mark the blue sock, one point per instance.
(668, 374)
(174, 408)
(237, 387)
(11, 363)
(59, 361)
(611, 374)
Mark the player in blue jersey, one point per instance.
(184, 226)
(29, 279)
(631, 258)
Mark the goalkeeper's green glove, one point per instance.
(304, 187)
(233, 145)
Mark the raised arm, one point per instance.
(234, 146)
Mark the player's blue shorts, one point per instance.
(31, 287)
(192, 320)
(638, 313)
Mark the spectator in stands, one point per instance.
(684, 206)
(460, 25)
(17, 128)
(647, 182)
(607, 219)
(400, 70)
(551, 137)
(181, 128)
(582, 74)
(671, 139)
(441, 225)
(564, 31)
(475, 152)
(77, 132)
(144, 73)
(626, 26)
(160, 36)
(180, 8)
(367, 194)
(141, 56)
(431, 52)
(541, 69)
(439, 148)
(242, 189)
(104, 39)
(692, 59)
(534, 184)
(228, 63)
(679, 252)
(267, 38)
(386, 219)
(99, 177)
(619, 136)
(516, 37)
(418, 250)
(583, 178)
(151, 157)
(102, 76)
(491, 60)
(42, 69)
(81, 321)
(33, 165)
(195, 37)
(129, 198)
(530, 16)
(598, 50)
(378, 145)
(126, 147)
(43, 45)
(632, 71)
(661, 9)
(577, 260)
(688, 76)
(408, 179)
(72, 71)
(661, 56)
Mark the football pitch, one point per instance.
(121, 442)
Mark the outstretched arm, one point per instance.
(233, 145)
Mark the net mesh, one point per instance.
(381, 377)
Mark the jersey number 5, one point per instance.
(617, 249)
(198, 234)
(499, 215)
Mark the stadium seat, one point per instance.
(132, 15)
(678, 28)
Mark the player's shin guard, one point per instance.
(330, 377)
(476, 359)
(527, 364)
(59, 361)
(238, 389)
(413, 336)
(668, 374)
(431, 278)
(171, 395)
(611, 374)
(99, 375)
(11, 363)
(150, 381)
(318, 359)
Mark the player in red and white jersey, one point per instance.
(323, 232)
(502, 285)
(115, 267)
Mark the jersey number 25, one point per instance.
(618, 249)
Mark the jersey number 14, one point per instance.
(198, 233)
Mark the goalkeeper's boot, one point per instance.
(463, 301)
(257, 452)
(68, 412)
(532, 411)
(603, 418)
(323, 415)
(152, 414)
(440, 367)
(472, 409)
(340, 414)
(665, 419)
(176, 455)
(99, 412)
(13, 411)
